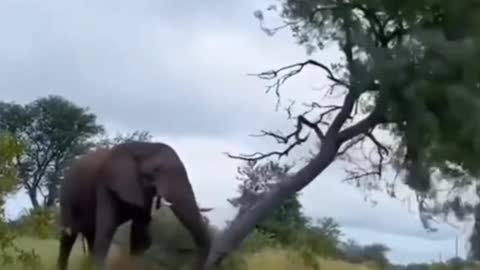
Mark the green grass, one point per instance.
(268, 259)
(47, 249)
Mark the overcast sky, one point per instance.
(180, 71)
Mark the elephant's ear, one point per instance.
(122, 178)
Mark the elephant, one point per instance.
(108, 186)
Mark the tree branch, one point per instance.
(293, 70)
(343, 115)
(285, 139)
(376, 117)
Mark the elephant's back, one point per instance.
(85, 168)
(78, 185)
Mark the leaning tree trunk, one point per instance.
(233, 235)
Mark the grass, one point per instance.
(281, 259)
(47, 249)
(268, 259)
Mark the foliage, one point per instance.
(356, 253)
(39, 223)
(54, 131)
(256, 179)
(277, 259)
(172, 245)
(321, 239)
(107, 141)
(10, 148)
(269, 258)
(287, 226)
(474, 252)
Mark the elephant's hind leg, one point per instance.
(67, 239)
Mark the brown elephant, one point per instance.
(107, 187)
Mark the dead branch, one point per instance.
(292, 140)
(358, 175)
(328, 110)
(293, 70)
(343, 115)
(313, 125)
(368, 174)
(288, 109)
(382, 151)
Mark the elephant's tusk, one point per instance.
(165, 202)
(156, 204)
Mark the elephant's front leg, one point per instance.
(140, 239)
(107, 221)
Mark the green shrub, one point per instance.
(172, 246)
(39, 223)
(277, 259)
(440, 266)
(10, 147)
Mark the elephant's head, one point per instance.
(138, 171)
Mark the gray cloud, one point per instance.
(141, 64)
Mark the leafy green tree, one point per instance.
(474, 252)
(322, 238)
(54, 131)
(329, 227)
(408, 71)
(356, 253)
(10, 148)
(256, 179)
(138, 135)
(377, 253)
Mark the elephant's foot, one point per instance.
(119, 258)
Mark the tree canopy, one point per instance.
(53, 131)
(255, 180)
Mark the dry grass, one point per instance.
(267, 259)
(119, 259)
(282, 259)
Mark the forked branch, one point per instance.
(292, 70)
(368, 168)
(292, 140)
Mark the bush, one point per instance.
(172, 247)
(38, 223)
(10, 147)
(276, 259)
(318, 243)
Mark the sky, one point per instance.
(181, 72)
